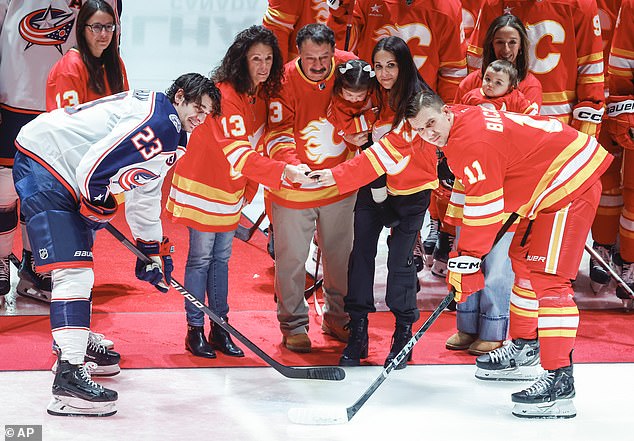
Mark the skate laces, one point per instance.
(506, 351)
(96, 345)
(605, 254)
(86, 371)
(627, 273)
(541, 385)
(4, 269)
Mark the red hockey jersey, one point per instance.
(286, 17)
(67, 83)
(431, 28)
(565, 52)
(530, 87)
(621, 61)
(470, 11)
(514, 101)
(608, 11)
(348, 118)
(301, 133)
(210, 184)
(503, 173)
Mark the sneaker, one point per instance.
(33, 284)
(460, 341)
(106, 361)
(76, 394)
(481, 347)
(550, 397)
(297, 342)
(515, 360)
(430, 241)
(441, 254)
(599, 276)
(5, 276)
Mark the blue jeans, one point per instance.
(207, 270)
(486, 312)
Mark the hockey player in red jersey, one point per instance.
(286, 17)
(553, 184)
(70, 164)
(620, 126)
(470, 11)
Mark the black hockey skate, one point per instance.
(550, 397)
(429, 244)
(516, 360)
(33, 284)
(626, 271)
(599, 276)
(106, 361)
(75, 394)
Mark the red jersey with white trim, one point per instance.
(608, 12)
(408, 161)
(211, 183)
(530, 87)
(301, 133)
(566, 50)
(349, 118)
(67, 83)
(121, 143)
(431, 28)
(503, 173)
(514, 101)
(470, 11)
(621, 64)
(286, 17)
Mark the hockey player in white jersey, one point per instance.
(70, 164)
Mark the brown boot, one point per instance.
(297, 342)
(460, 341)
(481, 347)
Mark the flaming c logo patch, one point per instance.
(47, 27)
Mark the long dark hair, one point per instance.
(109, 59)
(408, 82)
(488, 53)
(234, 68)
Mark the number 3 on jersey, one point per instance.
(234, 127)
(147, 143)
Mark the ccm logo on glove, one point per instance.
(464, 264)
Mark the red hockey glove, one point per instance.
(464, 276)
(159, 272)
(620, 121)
(586, 117)
(96, 215)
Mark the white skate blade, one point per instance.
(28, 289)
(99, 371)
(318, 415)
(552, 409)
(71, 406)
(523, 373)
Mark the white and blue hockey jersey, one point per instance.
(121, 143)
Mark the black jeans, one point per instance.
(401, 288)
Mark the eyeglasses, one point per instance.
(97, 28)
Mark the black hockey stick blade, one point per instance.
(332, 373)
(335, 415)
(245, 234)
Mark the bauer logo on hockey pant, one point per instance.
(464, 264)
(535, 258)
(83, 253)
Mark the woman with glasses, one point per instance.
(92, 69)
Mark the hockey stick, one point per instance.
(596, 256)
(346, 44)
(245, 234)
(333, 415)
(311, 373)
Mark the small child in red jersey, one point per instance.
(499, 90)
(352, 114)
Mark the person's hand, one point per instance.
(586, 117)
(97, 215)
(464, 276)
(357, 139)
(323, 177)
(297, 173)
(159, 271)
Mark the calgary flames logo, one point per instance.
(321, 141)
(409, 33)
(47, 27)
(135, 177)
(320, 8)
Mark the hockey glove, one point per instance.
(159, 272)
(620, 121)
(97, 215)
(586, 117)
(464, 276)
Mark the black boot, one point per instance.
(221, 341)
(357, 347)
(402, 334)
(388, 216)
(196, 343)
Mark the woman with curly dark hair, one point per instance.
(220, 174)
